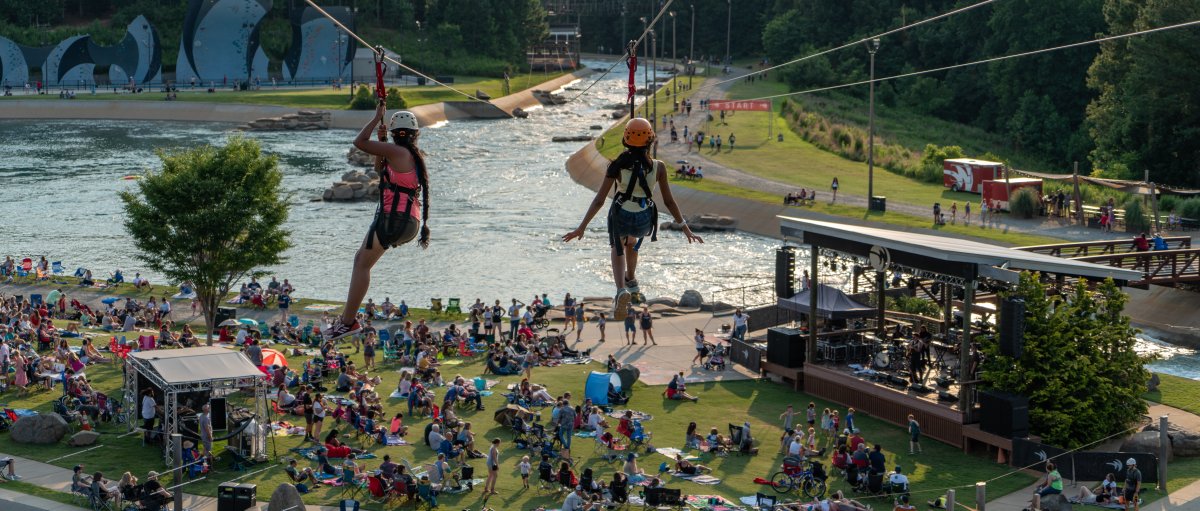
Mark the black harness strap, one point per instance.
(385, 184)
(637, 177)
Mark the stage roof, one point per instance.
(951, 256)
(189, 365)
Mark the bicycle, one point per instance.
(794, 477)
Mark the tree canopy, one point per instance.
(1079, 368)
(211, 216)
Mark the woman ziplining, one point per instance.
(633, 214)
(401, 216)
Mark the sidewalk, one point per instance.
(17, 501)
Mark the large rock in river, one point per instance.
(44, 428)
(691, 298)
(1145, 441)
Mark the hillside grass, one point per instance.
(1179, 392)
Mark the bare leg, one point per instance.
(618, 267)
(360, 279)
(631, 260)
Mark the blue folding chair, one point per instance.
(294, 320)
(384, 337)
(349, 505)
(56, 268)
(35, 299)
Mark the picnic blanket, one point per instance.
(394, 440)
(712, 502)
(577, 361)
(463, 487)
(397, 395)
(670, 453)
(330, 479)
(585, 434)
(641, 416)
(311, 453)
(319, 307)
(697, 478)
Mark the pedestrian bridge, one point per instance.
(1178, 263)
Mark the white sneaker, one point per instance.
(621, 305)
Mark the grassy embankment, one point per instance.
(759, 401)
(800, 163)
(324, 98)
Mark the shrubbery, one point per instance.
(1023, 203)
(363, 99)
(1135, 216)
(1190, 208)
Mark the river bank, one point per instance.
(239, 113)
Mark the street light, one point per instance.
(872, 47)
(692, 47)
(728, 29)
(674, 63)
(645, 70)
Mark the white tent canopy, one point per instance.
(198, 364)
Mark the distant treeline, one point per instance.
(1119, 108)
(475, 37)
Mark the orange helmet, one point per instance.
(638, 133)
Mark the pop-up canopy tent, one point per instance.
(832, 303)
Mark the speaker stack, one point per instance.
(1004, 414)
(1012, 327)
(785, 272)
(785, 347)
(236, 497)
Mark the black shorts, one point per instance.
(1130, 494)
(394, 229)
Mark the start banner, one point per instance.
(752, 105)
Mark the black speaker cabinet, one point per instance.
(220, 414)
(224, 313)
(1004, 414)
(1012, 327)
(236, 497)
(785, 272)
(785, 346)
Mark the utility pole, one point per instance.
(624, 40)
(692, 48)
(872, 47)
(654, 84)
(645, 70)
(674, 63)
(728, 30)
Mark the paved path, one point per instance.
(16, 501)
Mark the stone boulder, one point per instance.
(1185, 443)
(520, 113)
(342, 191)
(691, 298)
(285, 497)
(359, 157)
(1145, 441)
(45, 428)
(1152, 385)
(83, 438)
(1056, 503)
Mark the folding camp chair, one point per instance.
(35, 299)
(453, 306)
(56, 268)
(435, 305)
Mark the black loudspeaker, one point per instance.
(220, 414)
(785, 272)
(1004, 414)
(1012, 327)
(785, 346)
(664, 496)
(224, 313)
(236, 497)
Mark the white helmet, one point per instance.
(403, 120)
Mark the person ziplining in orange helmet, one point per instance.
(633, 214)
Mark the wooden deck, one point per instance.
(943, 422)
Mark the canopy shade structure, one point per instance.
(198, 364)
(832, 303)
(960, 258)
(1123, 185)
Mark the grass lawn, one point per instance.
(800, 163)
(760, 402)
(1182, 393)
(326, 98)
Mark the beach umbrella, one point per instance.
(273, 357)
(110, 300)
(248, 321)
(229, 322)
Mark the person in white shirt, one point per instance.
(898, 480)
(575, 501)
(149, 410)
(739, 324)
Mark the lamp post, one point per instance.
(654, 85)
(728, 29)
(645, 70)
(872, 47)
(624, 39)
(692, 47)
(674, 63)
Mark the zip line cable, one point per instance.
(384, 56)
(864, 40)
(993, 59)
(638, 41)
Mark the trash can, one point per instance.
(878, 203)
(236, 497)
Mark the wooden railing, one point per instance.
(1164, 267)
(1091, 248)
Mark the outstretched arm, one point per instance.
(593, 208)
(669, 201)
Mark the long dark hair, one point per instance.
(630, 156)
(405, 138)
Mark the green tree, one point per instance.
(211, 216)
(1146, 116)
(1079, 368)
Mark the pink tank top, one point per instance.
(406, 180)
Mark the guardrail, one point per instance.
(1091, 248)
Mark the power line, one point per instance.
(385, 56)
(864, 40)
(625, 55)
(993, 59)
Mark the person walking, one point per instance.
(493, 468)
(914, 435)
(834, 187)
(967, 213)
(739, 324)
(566, 424)
(580, 321)
(732, 139)
(600, 321)
(630, 328)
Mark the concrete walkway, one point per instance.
(15, 501)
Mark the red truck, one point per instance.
(996, 192)
(968, 175)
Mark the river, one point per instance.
(501, 200)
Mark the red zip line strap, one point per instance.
(632, 63)
(380, 68)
